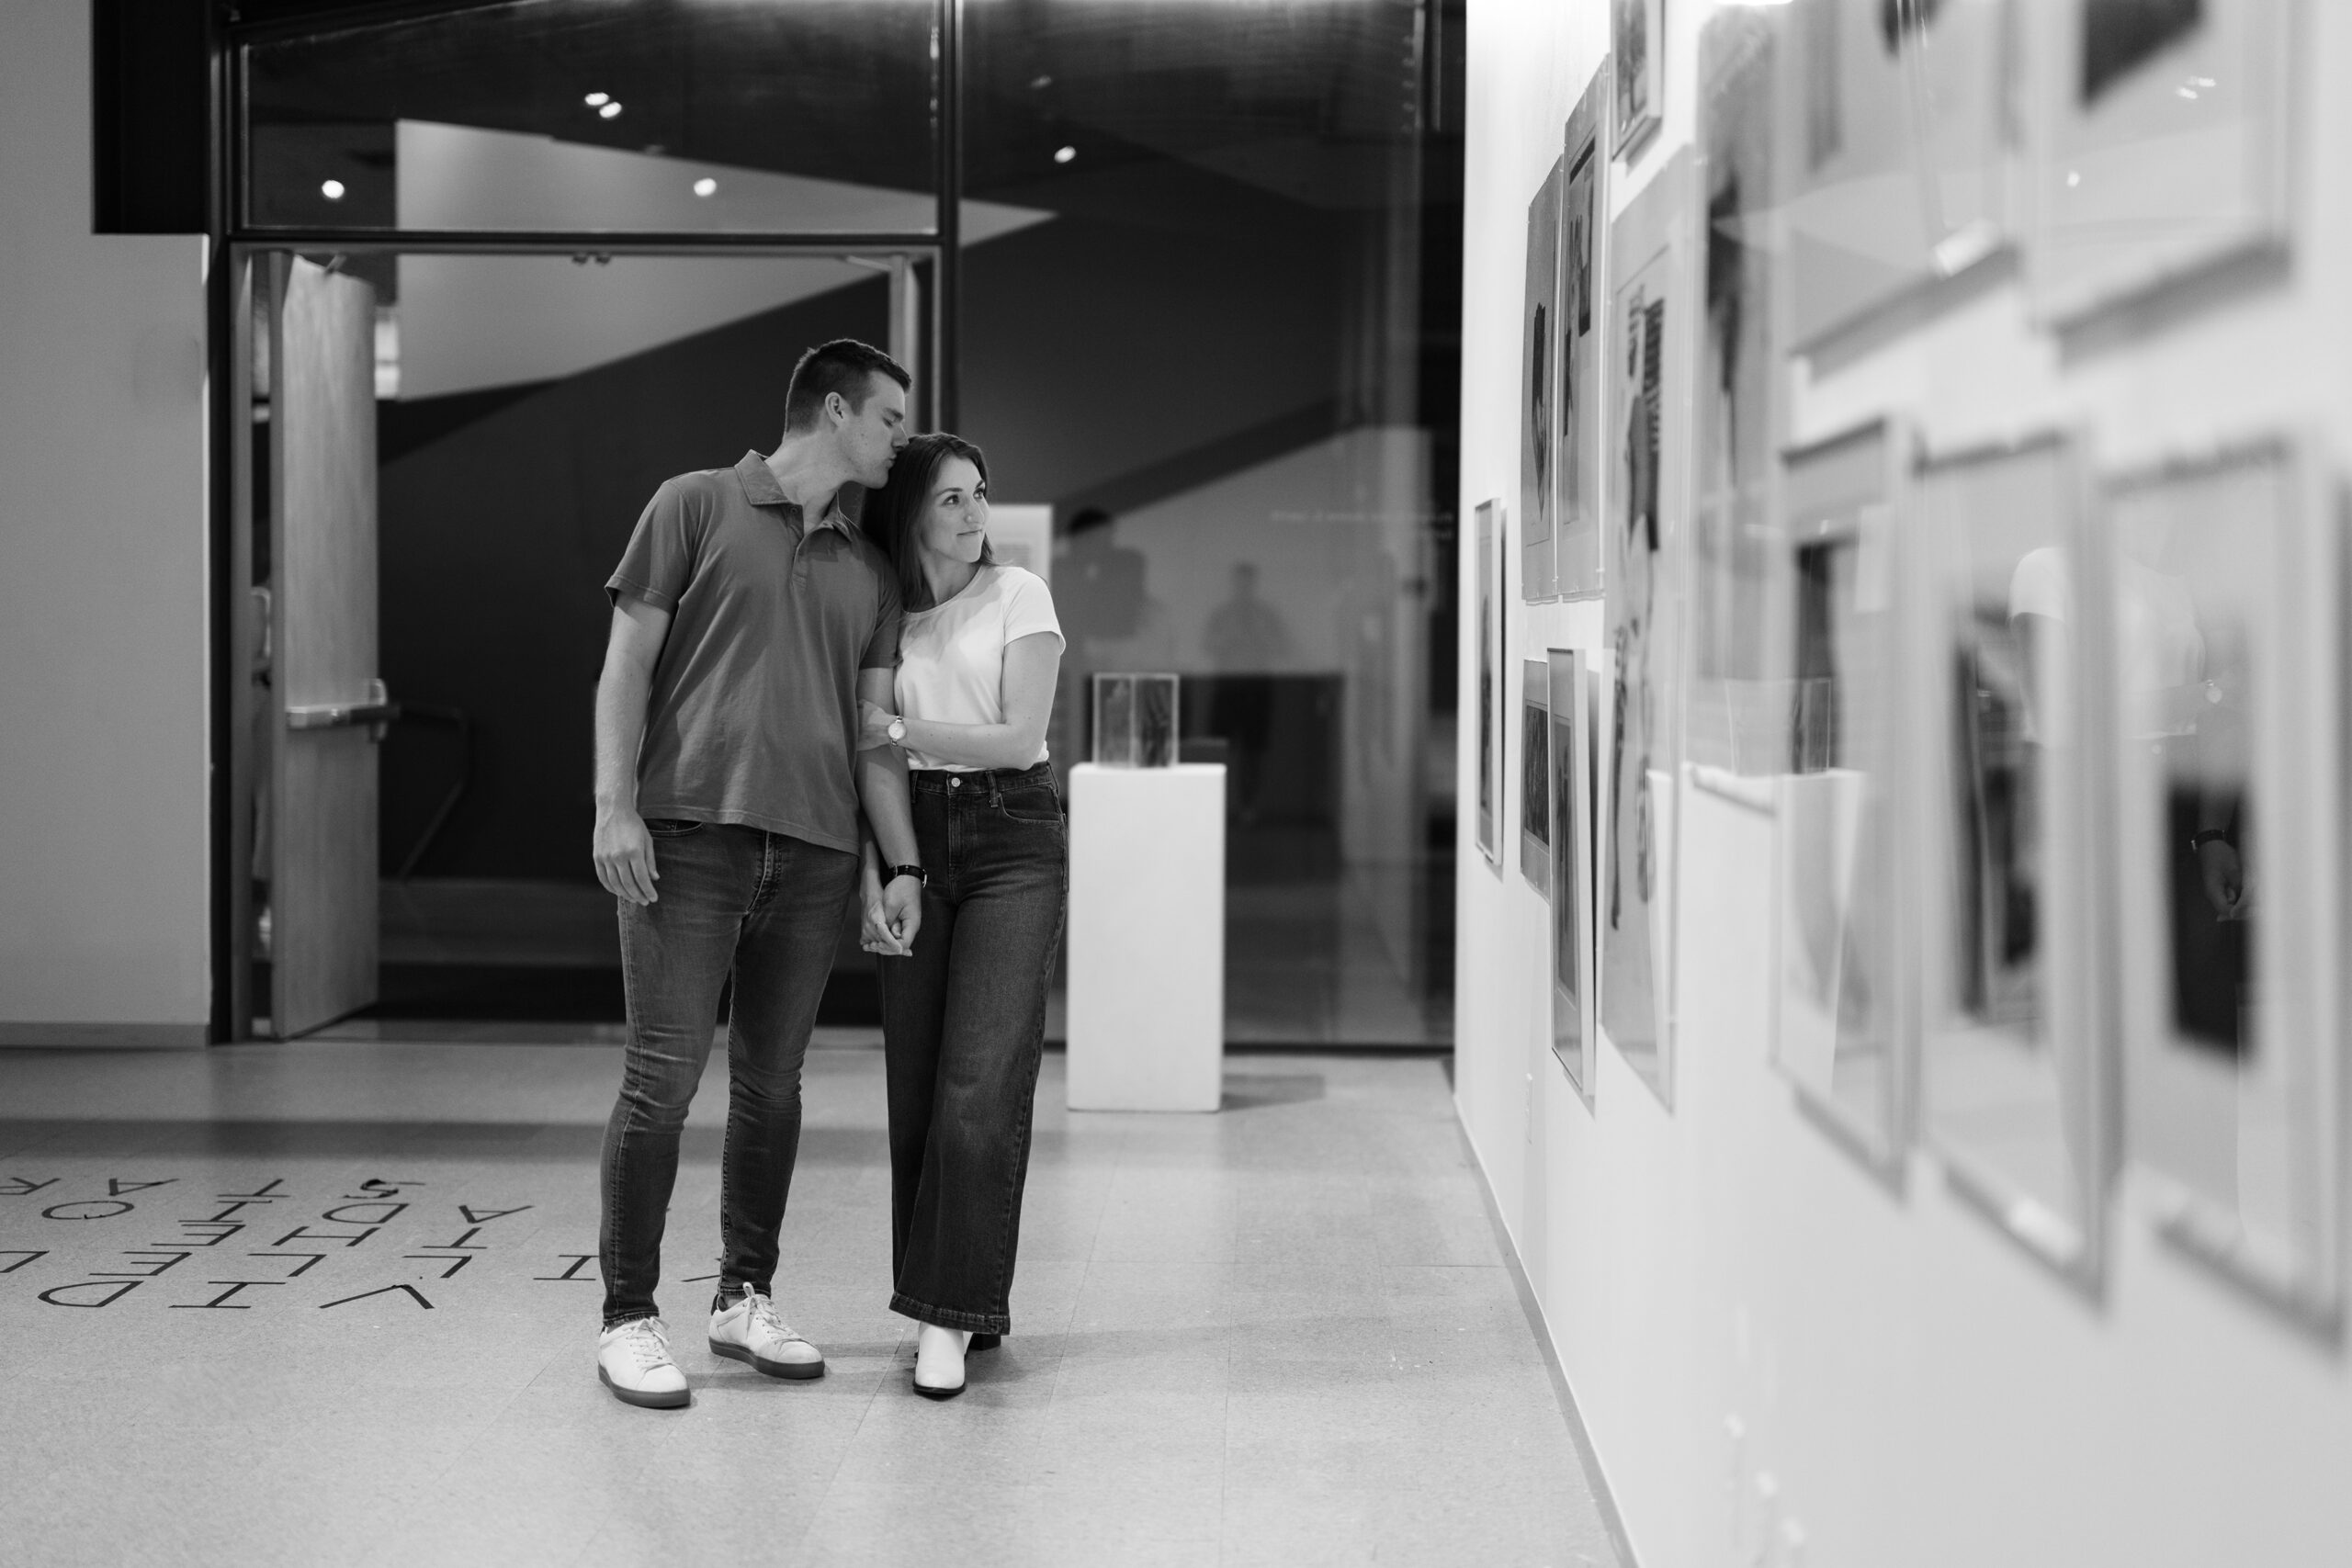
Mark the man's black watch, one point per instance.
(914, 871)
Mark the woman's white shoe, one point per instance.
(939, 1360)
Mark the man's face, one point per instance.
(872, 434)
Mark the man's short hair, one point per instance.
(843, 365)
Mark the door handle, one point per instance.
(377, 712)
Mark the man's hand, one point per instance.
(902, 912)
(873, 725)
(624, 855)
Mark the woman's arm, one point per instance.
(1032, 664)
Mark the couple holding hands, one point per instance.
(820, 683)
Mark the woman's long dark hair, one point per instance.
(893, 512)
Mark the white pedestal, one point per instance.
(1147, 938)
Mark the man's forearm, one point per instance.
(882, 786)
(620, 729)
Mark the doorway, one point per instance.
(444, 452)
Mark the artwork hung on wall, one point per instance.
(2223, 607)
(1571, 699)
(1539, 376)
(1738, 566)
(1637, 45)
(1841, 1026)
(1535, 775)
(1491, 543)
(2016, 1076)
(2161, 130)
(1577, 318)
(1902, 155)
(1652, 326)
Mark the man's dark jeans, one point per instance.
(765, 910)
(964, 1024)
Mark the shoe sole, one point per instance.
(797, 1370)
(643, 1400)
(930, 1392)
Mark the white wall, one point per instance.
(103, 836)
(1924, 1394)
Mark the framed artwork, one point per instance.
(1568, 685)
(1539, 377)
(1535, 775)
(1739, 568)
(2223, 612)
(1841, 1016)
(1653, 325)
(1637, 45)
(1901, 152)
(2016, 1065)
(1577, 318)
(2162, 144)
(1491, 543)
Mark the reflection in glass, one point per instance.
(1839, 1013)
(1535, 826)
(1134, 720)
(1568, 695)
(2224, 669)
(2012, 1081)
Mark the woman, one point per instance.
(963, 1005)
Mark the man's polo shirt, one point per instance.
(753, 717)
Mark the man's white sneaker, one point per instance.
(749, 1330)
(633, 1361)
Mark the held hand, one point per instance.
(2224, 874)
(874, 922)
(624, 856)
(902, 911)
(873, 727)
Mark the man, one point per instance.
(751, 615)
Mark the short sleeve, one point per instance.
(889, 614)
(1029, 608)
(662, 551)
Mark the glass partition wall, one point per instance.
(1187, 269)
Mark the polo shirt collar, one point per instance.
(761, 490)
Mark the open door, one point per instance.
(323, 861)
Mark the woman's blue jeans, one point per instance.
(963, 1025)
(766, 910)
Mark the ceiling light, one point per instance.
(332, 190)
(1064, 154)
(610, 111)
(706, 186)
(1039, 84)
(597, 100)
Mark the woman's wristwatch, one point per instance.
(897, 871)
(898, 730)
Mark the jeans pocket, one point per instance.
(672, 827)
(1035, 802)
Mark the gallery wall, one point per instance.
(1780, 1354)
(103, 933)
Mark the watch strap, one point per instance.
(914, 871)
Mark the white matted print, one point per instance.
(1539, 377)
(1491, 542)
(1569, 691)
(2224, 608)
(2163, 135)
(1653, 326)
(1637, 48)
(1578, 321)
(1535, 775)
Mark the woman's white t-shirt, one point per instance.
(951, 656)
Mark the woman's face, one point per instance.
(955, 514)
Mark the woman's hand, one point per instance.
(874, 727)
(877, 931)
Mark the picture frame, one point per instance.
(1637, 50)
(1843, 1013)
(2163, 133)
(1492, 530)
(1535, 775)
(1739, 591)
(2018, 1081)
(1653, 329)
(1580, 320)
(1903, 165)
(2221, 614)
(1539, 388)
(1568, 681)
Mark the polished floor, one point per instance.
(334, 1303)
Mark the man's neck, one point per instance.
(810, 471)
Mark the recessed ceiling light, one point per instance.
(706, 186)
(1039, 84)
(1064, 154)
(597, 100)
(332, 190)
(610, 111)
